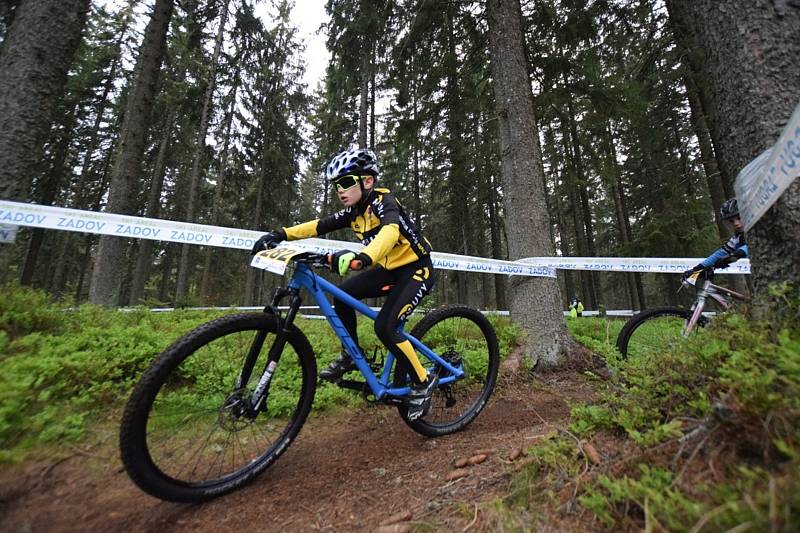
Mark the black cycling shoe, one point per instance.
(338, 368)
(419, 399)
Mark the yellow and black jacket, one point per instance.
(390, 238)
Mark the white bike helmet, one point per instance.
(355, 160)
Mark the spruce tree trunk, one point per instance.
(497, 248)
(417, 197)
(125, 177)
(689, 41)
(166, 272)
(593, 297)
(535, 303)
(749, 54)
(199, 153)
(144, 257)
(716, 191)
(250, 296)
(363, 105)
(49, 188)
(216, 209)
(66, 249)
(457, 186)
(567, 275)
(694, 94)
(102, 103)
(372, 104)
(581, 242)
(36, 56)
(623, 225)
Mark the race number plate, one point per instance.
(275, 260)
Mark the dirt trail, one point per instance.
(345, 472)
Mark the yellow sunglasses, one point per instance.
(347, 182)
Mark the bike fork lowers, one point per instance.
(697, 312)
(261, 392)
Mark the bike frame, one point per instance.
(721, 295)
(304, 278)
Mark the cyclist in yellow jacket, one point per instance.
(399, 254)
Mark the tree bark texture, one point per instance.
(126, 174)
(748, 56)
(37, 54)
(535, 303)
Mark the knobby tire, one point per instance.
(171, 370)
(474, 332)
(630, 328)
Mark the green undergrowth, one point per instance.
(66, 373)
(704, 438)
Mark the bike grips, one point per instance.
(355, 264)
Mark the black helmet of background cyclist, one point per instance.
(353, 161)
(729, 209)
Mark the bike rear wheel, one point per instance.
(184, 436)
(462, 336)
(654, 331)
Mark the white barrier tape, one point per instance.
(765, 178)
(662, 265)
(8, 233)
(49, 217)
(611, 313)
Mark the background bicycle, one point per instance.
(655, 330)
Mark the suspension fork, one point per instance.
(697, 311)
(259, 395)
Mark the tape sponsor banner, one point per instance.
(8, 233)
(765, 178)
(490, 266)
(50, 217)
(59, 218)
(661, 265)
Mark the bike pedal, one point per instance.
(450, 401)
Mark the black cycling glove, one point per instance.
(268, 240)
(692, 270)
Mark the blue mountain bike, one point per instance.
(223, 402)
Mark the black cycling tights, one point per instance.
(404, 288)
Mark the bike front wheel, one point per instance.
(463, 337)
(186, 434)
(654, 331)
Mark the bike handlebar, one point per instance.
(355, 264)
(325, 260)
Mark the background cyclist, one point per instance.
(731, 251)
(398, 253)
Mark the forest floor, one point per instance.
(350, 470)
